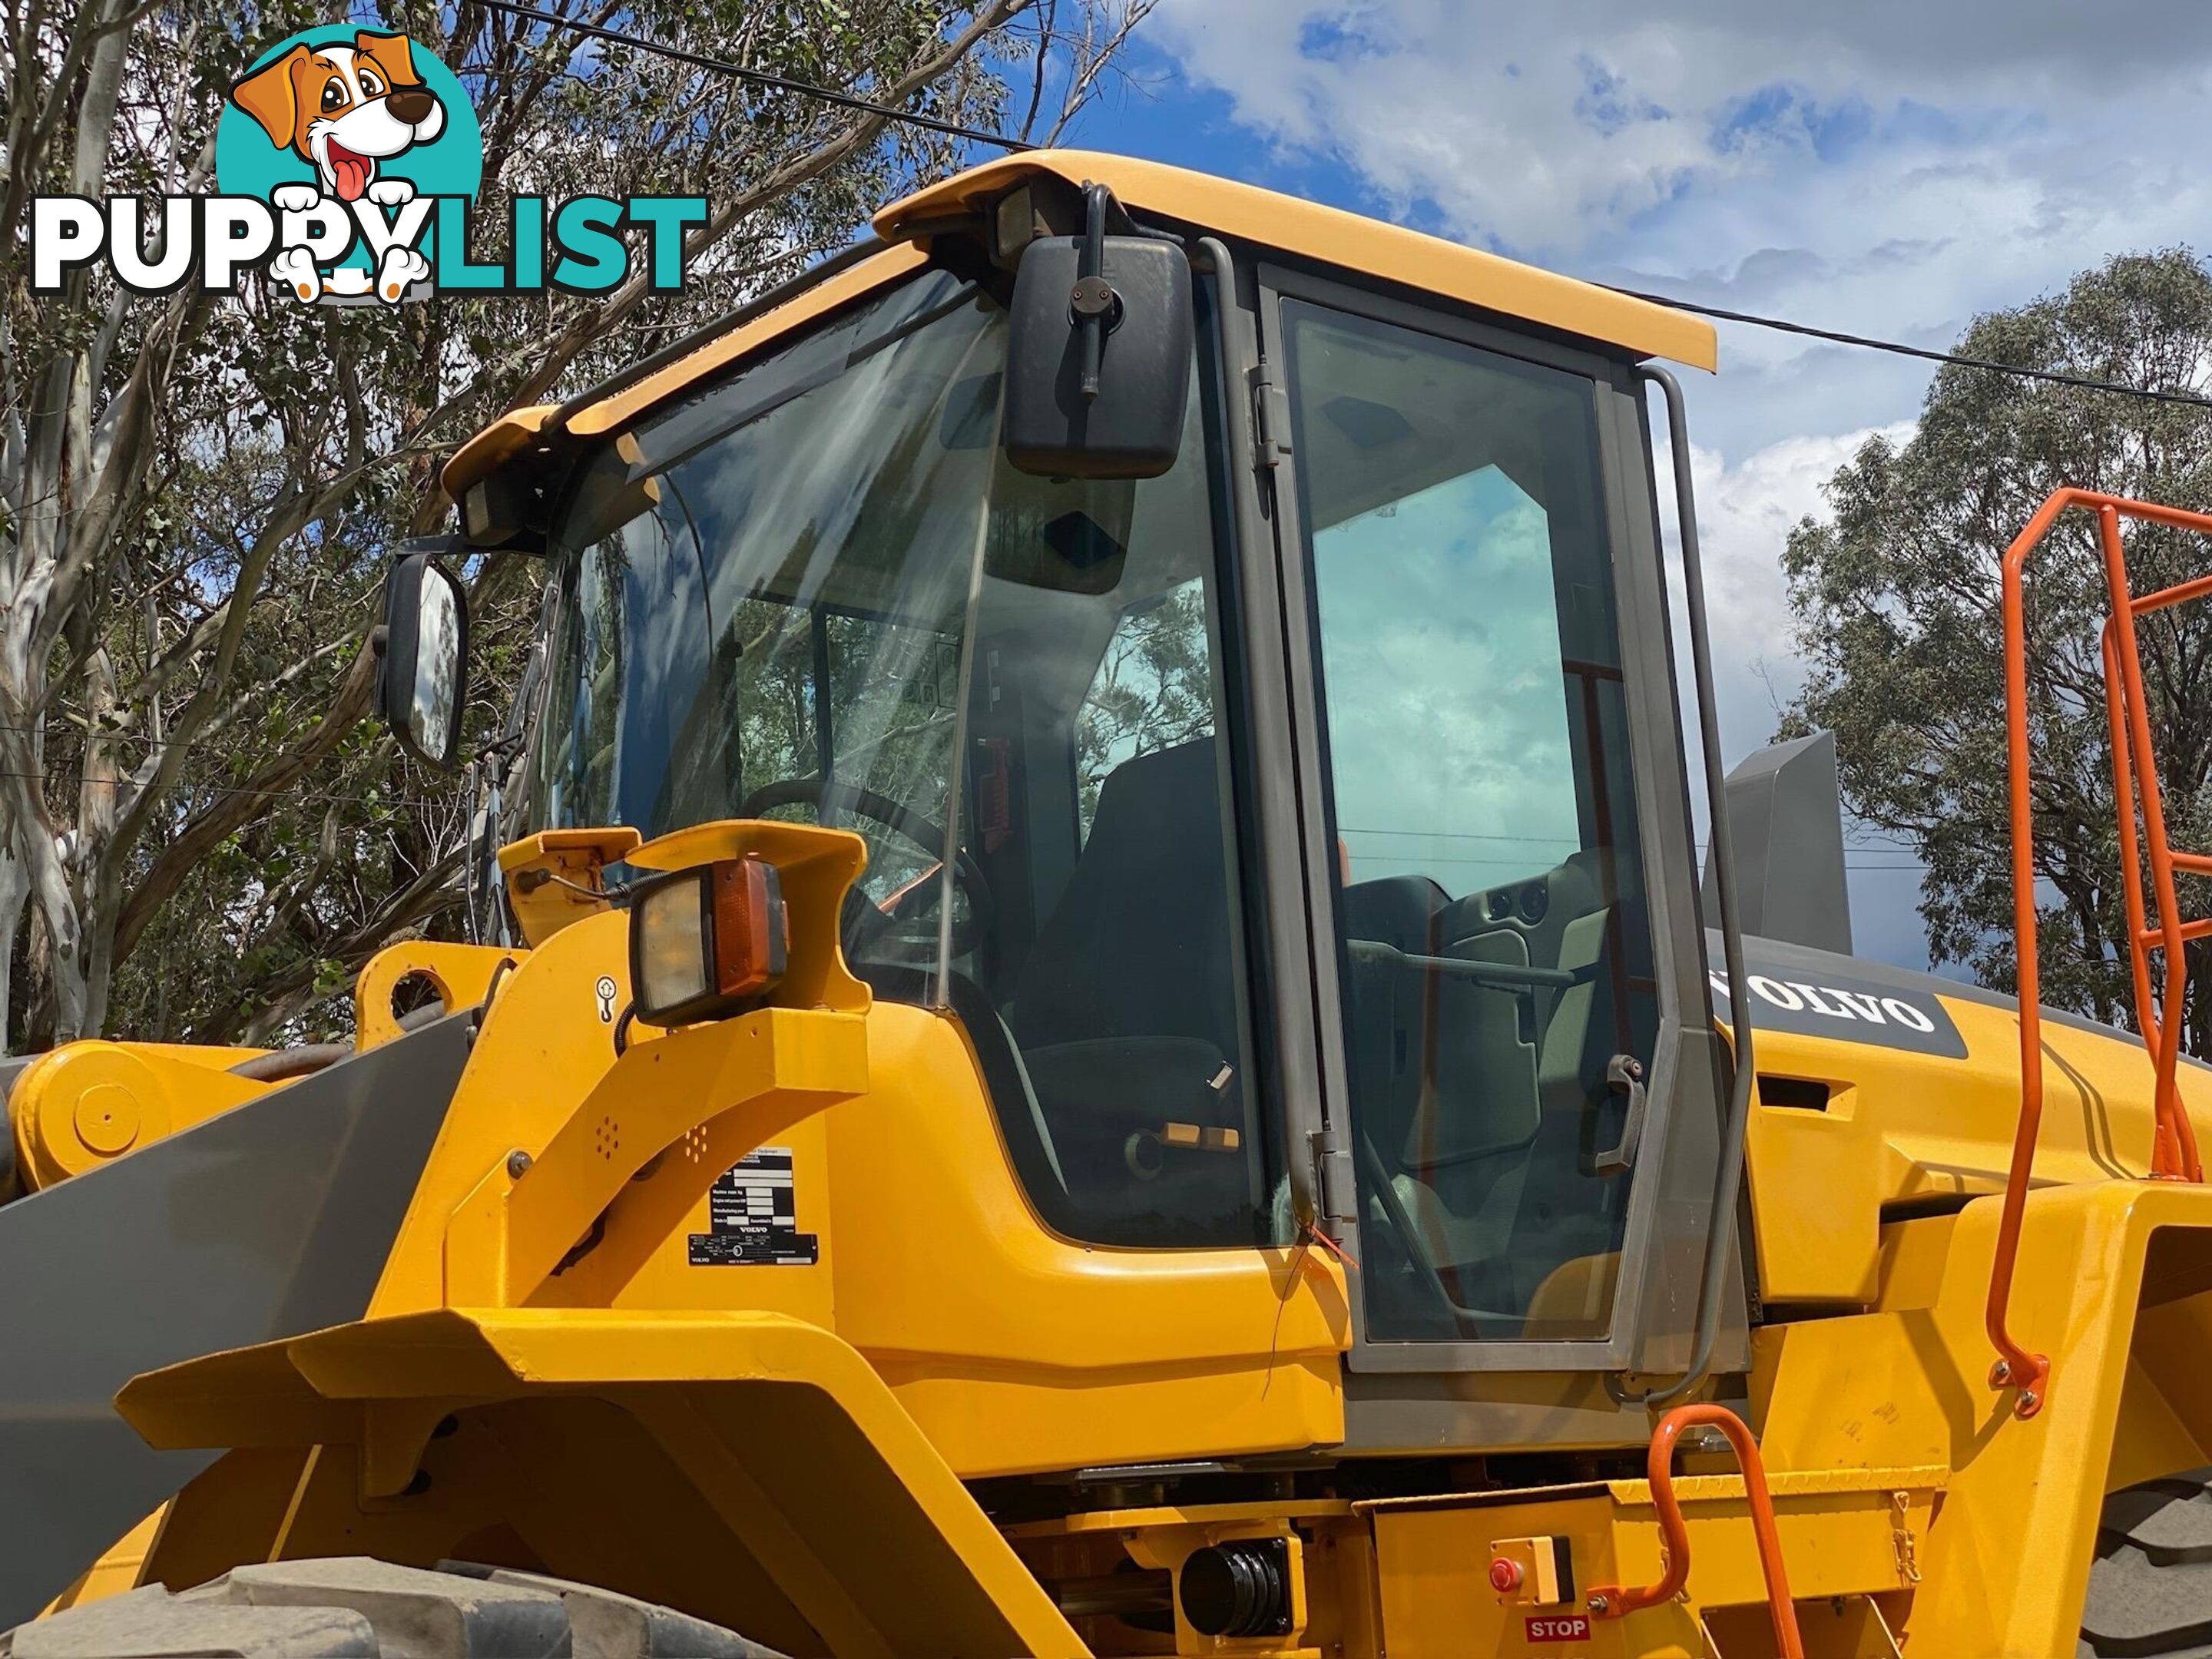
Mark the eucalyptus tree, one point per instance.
(1896, 597)
(199, 833)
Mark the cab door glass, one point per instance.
(1498, 1003)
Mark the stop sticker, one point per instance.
(1558, 1627)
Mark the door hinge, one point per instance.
(1271, 417)
(1333, 1165)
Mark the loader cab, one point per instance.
(1297, 832)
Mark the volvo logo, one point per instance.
(1894, 1013)
(1831, 1000)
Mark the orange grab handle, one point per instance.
(1618, 1601)
(2135, 776)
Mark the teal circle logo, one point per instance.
(286, 96)
(336, 126)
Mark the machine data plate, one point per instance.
(752, 1217)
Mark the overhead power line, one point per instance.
(1871, 342)
(761, 77)
(977, 135)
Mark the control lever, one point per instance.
(1623, 1074)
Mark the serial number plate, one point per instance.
(1560, 1627)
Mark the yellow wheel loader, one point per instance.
(1093, 1030)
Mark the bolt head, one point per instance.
(517, 1162)
(1598, 1604)
(2028, 1404)
(2001, 1373)
(1091, 296)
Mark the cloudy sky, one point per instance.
(1883, 167)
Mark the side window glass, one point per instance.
(1453, 584)
(1496, 969)
(1110, 998)
(1153, 690)
(635, 575)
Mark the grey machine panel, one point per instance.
(1786, 824)
(269, 1221)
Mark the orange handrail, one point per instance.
(2135, 781)
(1618, 1601)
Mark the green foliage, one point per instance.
(1154, 691)
(206, 839)
(1897, 598)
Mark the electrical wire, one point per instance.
(977, 135)
(974, 135)
(762, 77)
(1872, 342)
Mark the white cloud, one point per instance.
(1745, 513)
(1546, 128)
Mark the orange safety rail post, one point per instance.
(2135, 783)
(1619, 1601)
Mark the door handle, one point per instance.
(1624, 1075)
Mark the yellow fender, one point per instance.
(811, 1476)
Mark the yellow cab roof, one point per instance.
(1247, 213)
(1219, 206)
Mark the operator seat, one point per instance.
(1497, 1154)
(1126, 1010)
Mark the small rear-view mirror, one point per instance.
(1099, 359)
(422, 684)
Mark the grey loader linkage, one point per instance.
(352, 1607)
(2151, 1585)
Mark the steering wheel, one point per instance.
(895, 921)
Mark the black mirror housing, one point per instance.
(422, 674)
(1131, 426)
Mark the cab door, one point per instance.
(1521, 1085)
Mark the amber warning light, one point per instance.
(707, 942)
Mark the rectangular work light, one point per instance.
(707, 942)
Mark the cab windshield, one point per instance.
(814, 590)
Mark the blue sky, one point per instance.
(1887, 167)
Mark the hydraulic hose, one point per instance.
(284, 1065)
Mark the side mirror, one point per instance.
(422, 682)
(1099, 352)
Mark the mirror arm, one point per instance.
(1093, 302)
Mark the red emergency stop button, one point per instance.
(1530, 1572)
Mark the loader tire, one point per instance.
(2150, 1583)
(353, 1608)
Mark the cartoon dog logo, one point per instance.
(343, 109)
